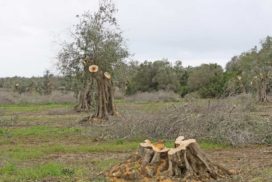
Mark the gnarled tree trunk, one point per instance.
(105, 96)
(105, 93)
(85, 98)
(262, 90)
(155, 162)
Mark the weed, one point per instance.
(102, 165)
(8, 169)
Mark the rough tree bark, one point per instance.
(105, 99)
(155, 162)
(85, 97)
(262, 90)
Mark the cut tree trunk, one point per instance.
(155, 162)
(105, 98)
(85, 99)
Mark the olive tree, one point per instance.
(154, 76)
(263, 69)
(207, 80)
(253, 70)
(97, 48)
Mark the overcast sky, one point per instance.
(193, 31)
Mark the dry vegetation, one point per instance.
(159, 96)
(234, 121)
(9, 97)
(45, 142)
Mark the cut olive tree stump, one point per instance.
(155, 162)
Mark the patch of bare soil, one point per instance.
(81, 157)
(244, 161)
(60, 111)
(4, 100)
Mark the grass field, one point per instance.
(45, 142)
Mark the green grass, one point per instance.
(28, 152)
(11, 171)
(103, 165)
(38, 172)
(38, 141)
(29, 107)
(8, 169)
(38, 107)
(54, 119)
(39, 131)
(21, 153)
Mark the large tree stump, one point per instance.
(155, 162)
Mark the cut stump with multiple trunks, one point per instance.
(155, 162)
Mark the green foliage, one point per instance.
(249, 72)
(252, 70)
(42, 85)
(154, 76)
(183, 90)
(98, 36)
(208, 80)
(216, 87)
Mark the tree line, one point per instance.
(249, 72)
(92, 65)
(43, 85)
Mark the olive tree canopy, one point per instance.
(96, 40)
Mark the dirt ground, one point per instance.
(46, 143)
(248, 162)
(251, 163)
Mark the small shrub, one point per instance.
(268, 139)
(41, 171)
(68, 171)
